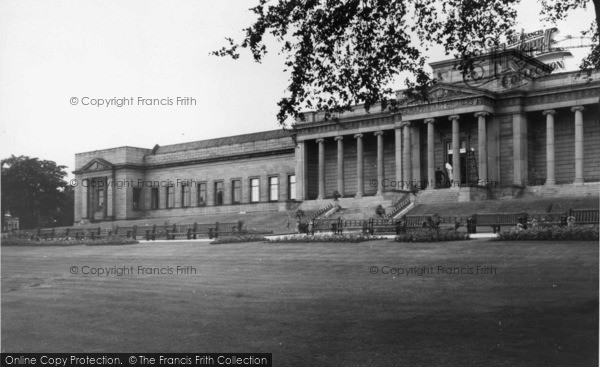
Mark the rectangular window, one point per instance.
(137, 198)
(273, 188)
(236, 191)
(202, 194)
(154, 198)
(170, 196)
(185, 195)
(219, 193)
(254, 190)
(292, 187)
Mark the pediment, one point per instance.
(97, 164)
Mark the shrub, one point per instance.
(554, 233)
(239, 239)
(303, 238)
(68, 241)
(431, 236)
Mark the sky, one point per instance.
(57, 58)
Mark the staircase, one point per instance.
(400, 207)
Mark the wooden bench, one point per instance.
(125, 231)
(496, 221)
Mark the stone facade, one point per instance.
(506, 129)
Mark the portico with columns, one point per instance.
(543, 133)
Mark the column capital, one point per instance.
(338, 138)
(357, 136)
(548, 112)
(429, 121)
(320, 140)
(482, 114)
(577, 108)
(405, 123)
(453, 117)
(377, 133)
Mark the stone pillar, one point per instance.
(340, 164)
(379, 135)
(301, 174)
(550, 165)
(430, 154)
(520, 156)
(109, 202)
(416, 155)
(482, 148)
(360, 171)
(407, 176)
(321, 143)
(455, 150)
(85, 197)
(578, 144)
(398, 151)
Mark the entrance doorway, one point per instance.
(97, 196)
(463, 161)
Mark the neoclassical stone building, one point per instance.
(514, 123)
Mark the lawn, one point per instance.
(312, 304)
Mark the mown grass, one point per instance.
(316, 305)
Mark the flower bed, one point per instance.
(303, 238)
(431, 236)
(69, 241)
(561, 233)
(239, 239)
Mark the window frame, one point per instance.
(252, 198)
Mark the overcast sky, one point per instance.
(52, 51)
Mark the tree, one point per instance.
(34, 191)
(344, 52)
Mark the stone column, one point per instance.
(430, 154)
(482, 148)
(109, 202)
(550, 166)
(360, 171)
(455, 150)
(578, 144)
(340, 164)
(398, 142)
(416, 155)
(379, 135)
(85, 197)
(321, 143)
(407, 177)
(520, 156)
(301, 172)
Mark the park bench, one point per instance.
(585, 216)
(496, 221)
(126, 231)
(45, 233)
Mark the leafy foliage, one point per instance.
(555, 10)
(561, 233)
(34, 191)
(68, 241)
(303, 238)
(340, 53)
(239, 239)
(431, 236)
